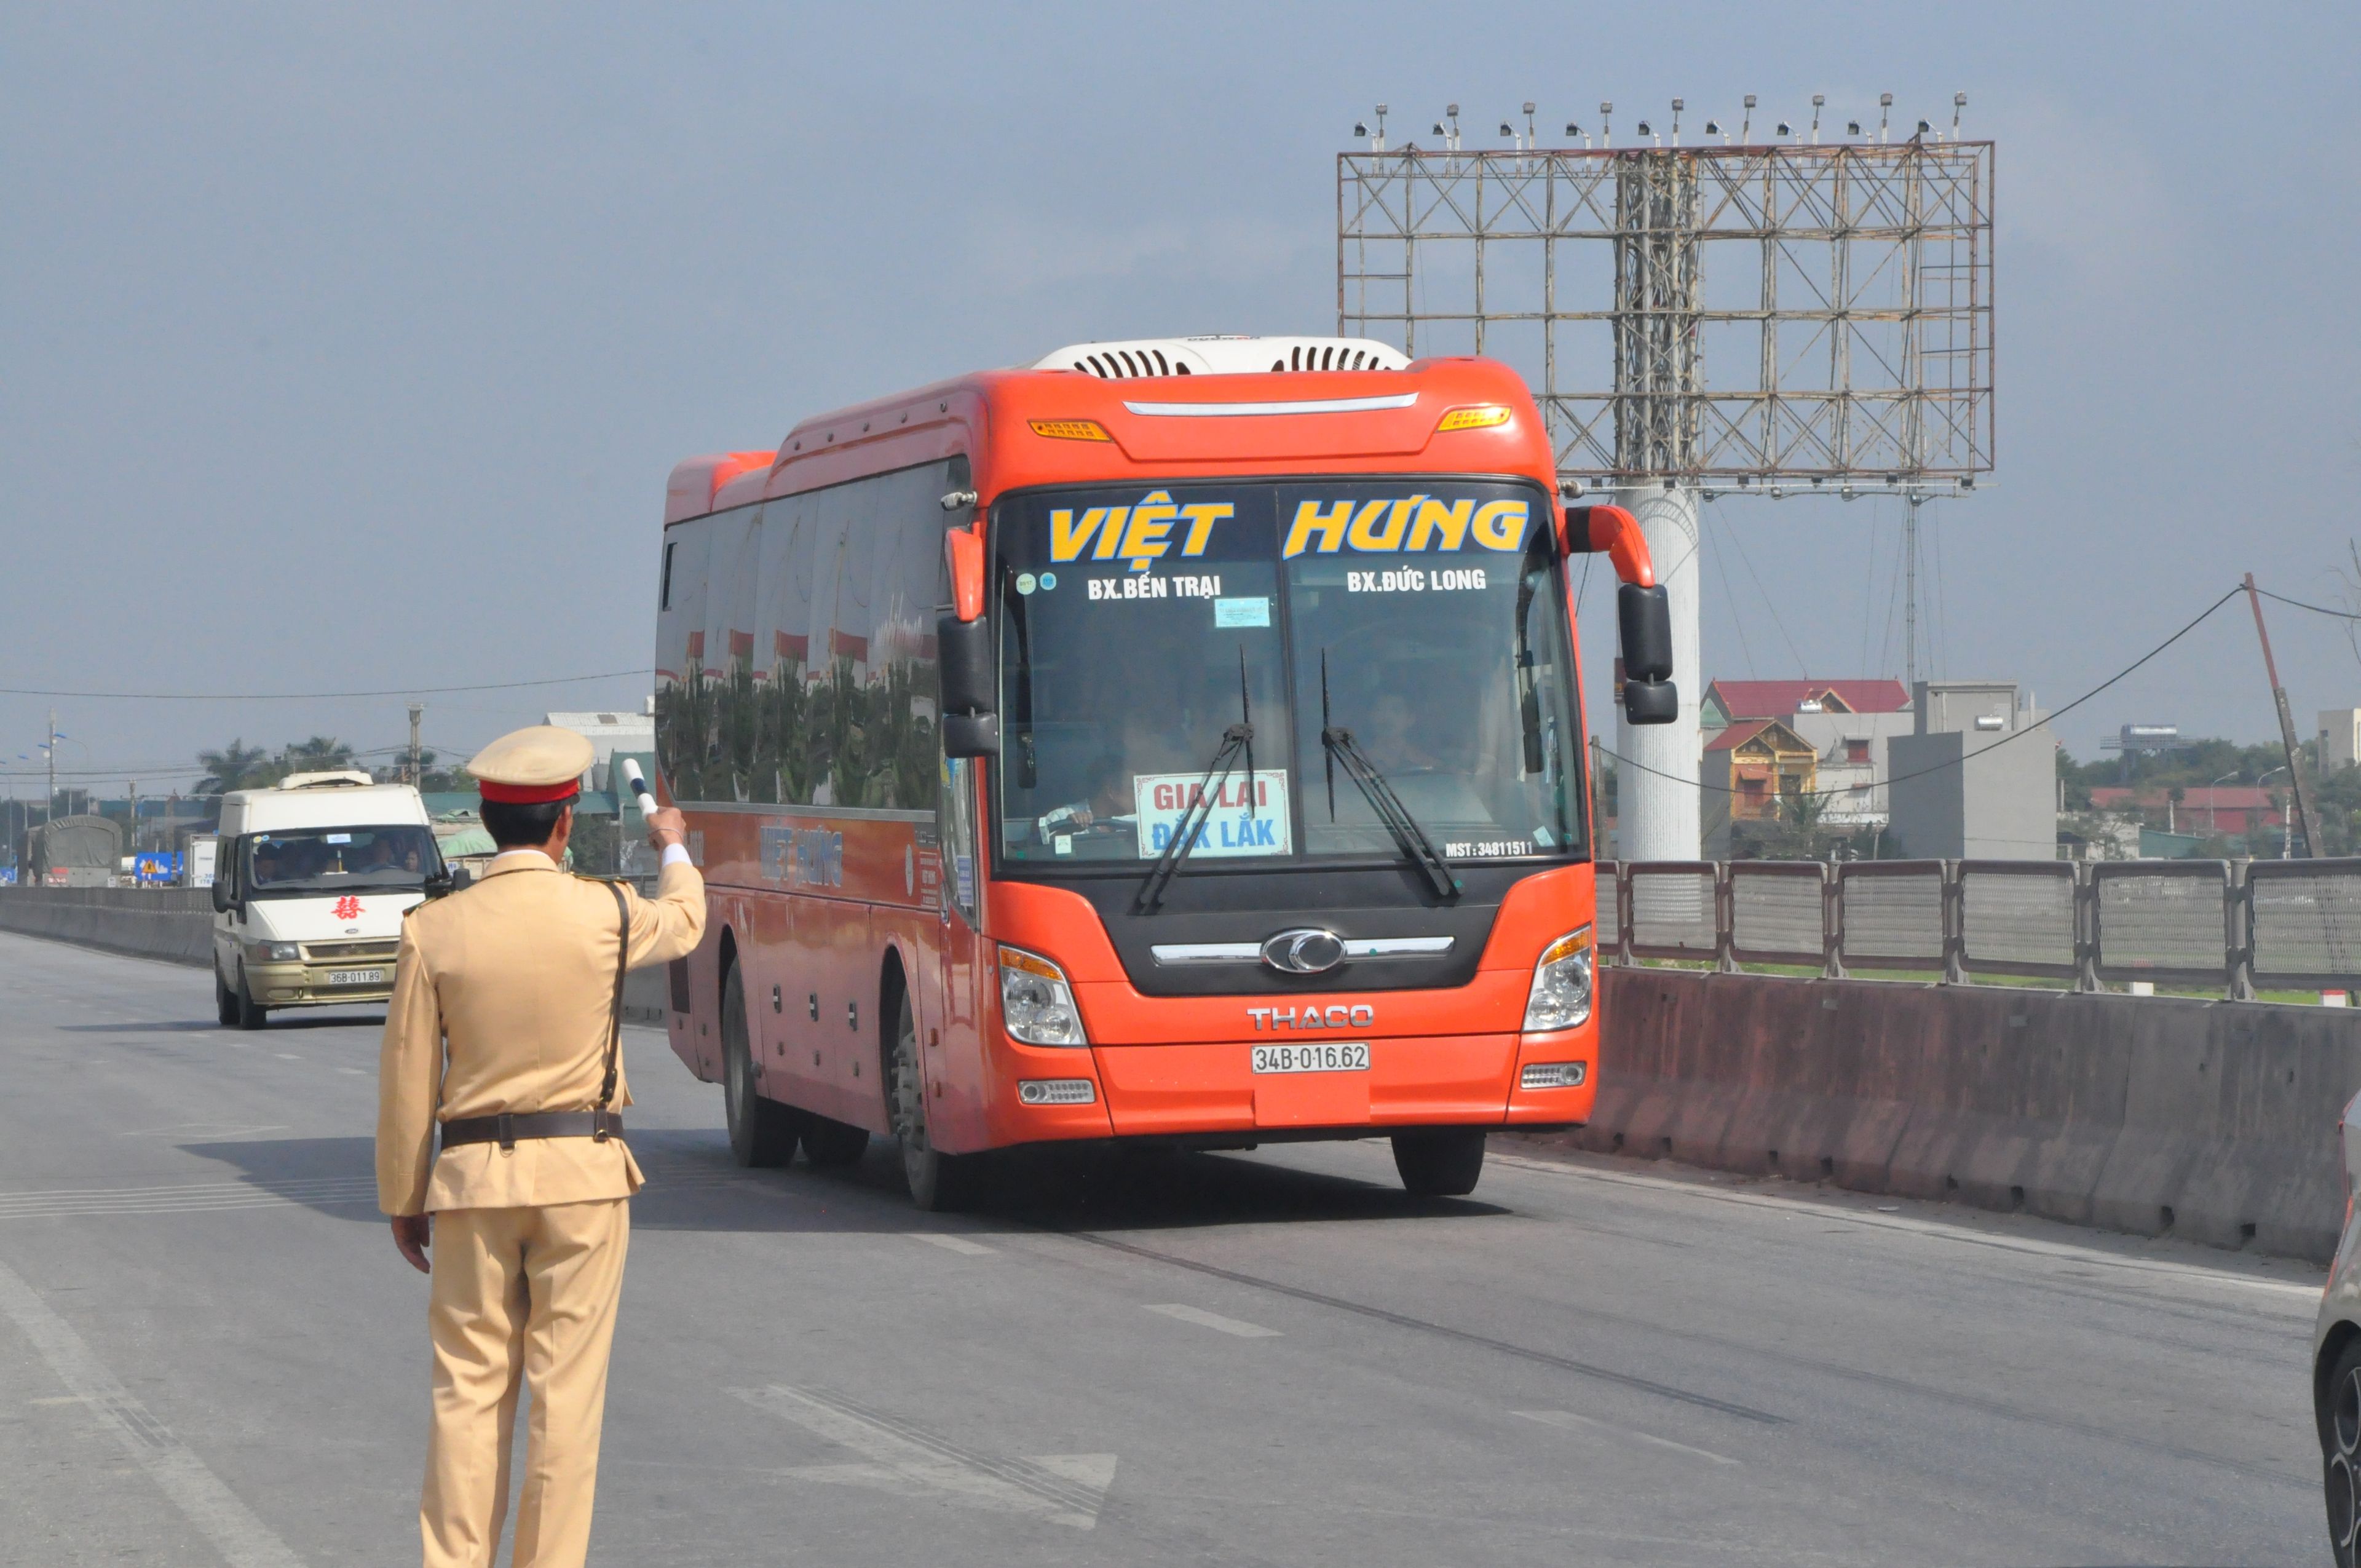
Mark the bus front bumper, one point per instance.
(1422, 1081)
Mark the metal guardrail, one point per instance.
(2234, 924)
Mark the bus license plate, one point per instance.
(1324, 1056)
(356, 977)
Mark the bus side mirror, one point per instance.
(971, 727)
(964, 554)
(1650, 702)
(1646, 618)
(1646, 622)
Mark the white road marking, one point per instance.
(358, 1072)
(1063, 1488)
(1205, 1320)
(242, 1539)
(197, 1198)
(283, 1055)
(1933, 1230)
(1569, 1422)
(959, 1245)
(210, 1131)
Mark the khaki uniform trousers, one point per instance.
(519, 1294)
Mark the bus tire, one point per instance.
(937, 1181)
(252, 1015)
(1439, 1164)
(762, 1132)
(225, 1004)
(829, 1144)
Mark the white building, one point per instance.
(609, 732)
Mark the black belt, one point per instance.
(506, 1128)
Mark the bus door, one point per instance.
(952, 1019)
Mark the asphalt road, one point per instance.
(210, 1353)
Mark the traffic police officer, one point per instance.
(503, 1033)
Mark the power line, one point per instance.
(313, 697)
(2315, 609)
(1899, 778)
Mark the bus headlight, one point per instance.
(1036, 1003)
(273, 953)
(1561, 995)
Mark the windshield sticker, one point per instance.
(1241, 611)
(1184, 586)
(1492, 848)
(1412, 580)
(1139, 534)
(1242, 820)
(1026, 581)
(1386, 526)
(339, 838)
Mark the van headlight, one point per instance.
(1560, 998)
(273, 953)
(1036, 1003)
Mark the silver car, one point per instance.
(2336, 1366)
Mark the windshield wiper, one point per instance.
(1416, 846)
(1237, 739)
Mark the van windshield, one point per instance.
(1391, 658)
(307, 862)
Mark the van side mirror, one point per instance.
(970, 725)
(220, 896)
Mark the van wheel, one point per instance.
(1439, 1164)
(938, 1181)
(225, 1004)
(762, 1132)
(252, 1015)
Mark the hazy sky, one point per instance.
(348, 346)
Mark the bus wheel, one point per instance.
(937, 1180)
(762, 1132)
(1439, 1164)
(252, 1015)
(225, 1004)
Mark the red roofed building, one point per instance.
(2241, 810)
(1726, 702)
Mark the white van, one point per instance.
(314, 877)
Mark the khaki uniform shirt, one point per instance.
(501, 1001)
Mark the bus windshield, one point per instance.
(1354, 653)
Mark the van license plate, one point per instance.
(356, 977)
(1324, 1056)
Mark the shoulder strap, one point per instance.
(615, 1017)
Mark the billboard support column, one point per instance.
(1659, 807)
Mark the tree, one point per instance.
(234, 766)
(321, 753)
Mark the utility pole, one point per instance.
(2301, 819)
(49, 804)
(416, 772)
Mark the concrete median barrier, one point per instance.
(2214, 1121)
(125, 920)
(129, 921)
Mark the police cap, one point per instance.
(533, 765)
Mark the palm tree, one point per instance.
(319, 755)
(234, 766)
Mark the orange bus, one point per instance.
(1177, 740)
